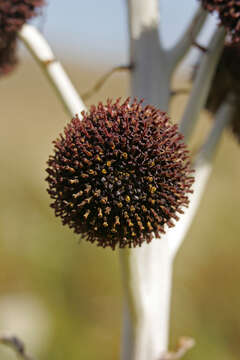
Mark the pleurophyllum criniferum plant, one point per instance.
(120, 174)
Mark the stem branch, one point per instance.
(203, 169)
(17, 345)
(202, 83)
(184, 345)
(147, 270)
(57, 76)
(176, 54)
(85, 96)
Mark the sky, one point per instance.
(96, 30)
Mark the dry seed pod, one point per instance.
(226, 81)
(228, 13)
(120, 174)
(13, 14)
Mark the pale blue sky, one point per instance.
(96, 30)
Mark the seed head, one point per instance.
(13, 14)
(120, 174)
(228, 13)
(227, 81)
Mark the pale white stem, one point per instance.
(143, 15)
(179, 50)
(176, 235)
(42, 52)
(203, 168)
(148, 284)
(151, 71)
(202, 83)
(147, 270)
(222, 119)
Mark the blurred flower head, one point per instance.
(120, 174)
(8, 57)
(225, 82)
(13, 14)
(228, 13)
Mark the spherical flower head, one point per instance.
(228, 13)
(13, 14)
(227, 81)
(120, 174)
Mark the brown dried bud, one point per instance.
(228, 13)
(119, 175)
(13, 14)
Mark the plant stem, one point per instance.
(222, 119)
(150, 77)
(203, 169)
(202, 83)
(16, 345)
(179, 50)
(57, 76)
(148, 284)
(97, 86)
(147, 270)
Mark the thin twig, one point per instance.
(180, 92)
(16, 345)
(184, 345)
(60, 81)
(200, 47)
(85, 96)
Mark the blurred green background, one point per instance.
(64, 297)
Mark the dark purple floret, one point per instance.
(13, 14)
(228, 13)
(120, 174)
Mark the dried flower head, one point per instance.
(228, 13)
(227, 81)
(13, 14)
(119, 175)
